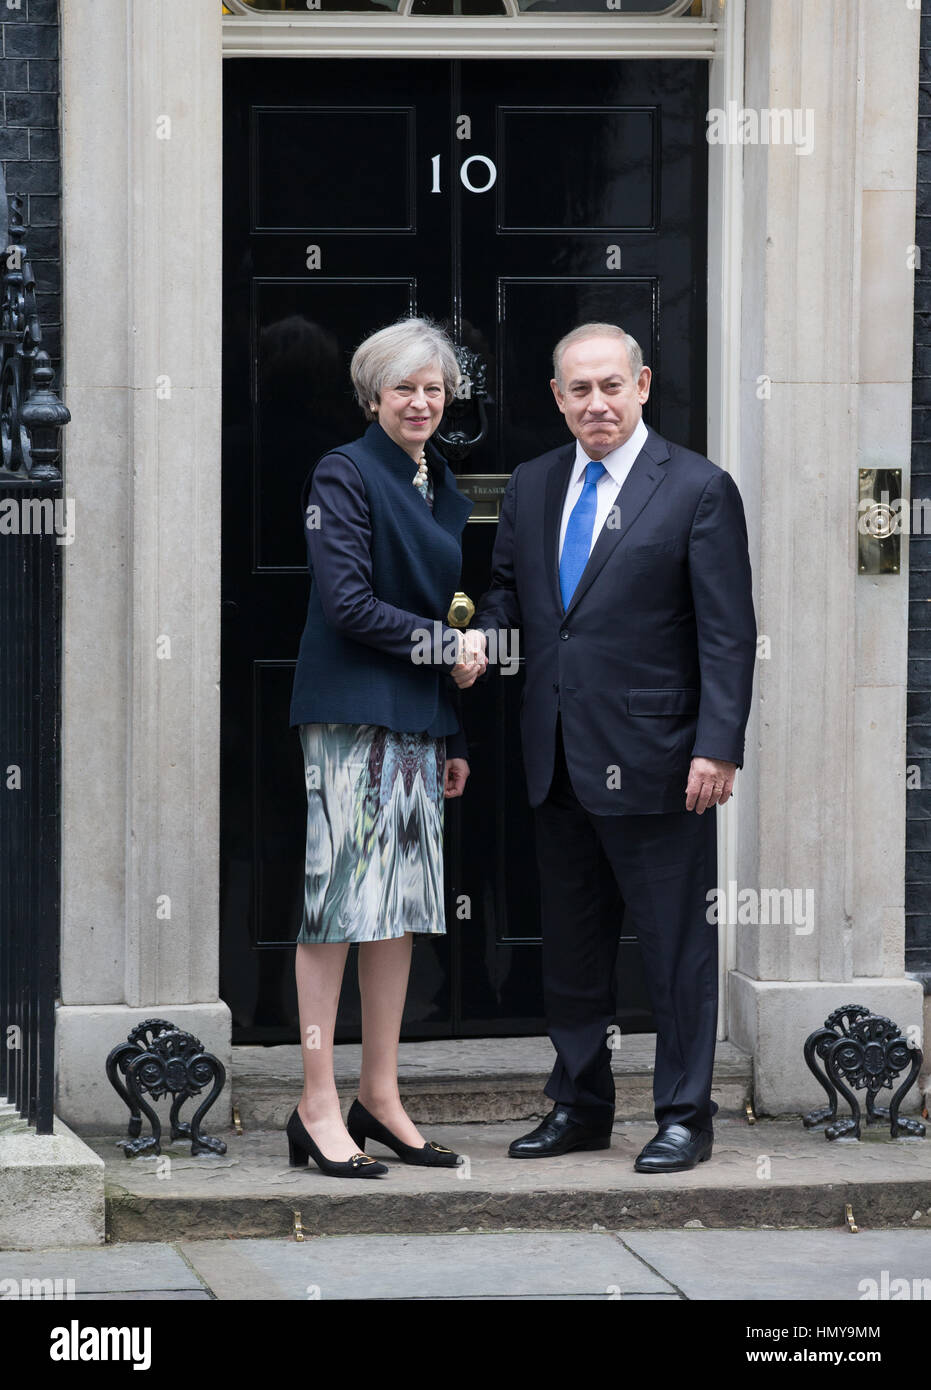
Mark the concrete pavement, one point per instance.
(599, 1265)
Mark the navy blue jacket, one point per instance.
(376, 647)
(652, 663)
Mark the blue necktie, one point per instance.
(578, 539)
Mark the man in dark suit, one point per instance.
(622, 559)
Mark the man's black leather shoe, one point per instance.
(557, 1134)
(673, 1149)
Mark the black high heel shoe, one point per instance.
(301, 1146)
(362, 1125)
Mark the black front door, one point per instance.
(510, 201)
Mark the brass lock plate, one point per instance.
(881, 517)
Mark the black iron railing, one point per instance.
(34, 524)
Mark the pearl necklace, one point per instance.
(420, 477)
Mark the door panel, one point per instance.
(355, 192)
(533, 314)
(621, 195)
(302, 336)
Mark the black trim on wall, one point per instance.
(30, 148)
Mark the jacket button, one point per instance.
(564, 635)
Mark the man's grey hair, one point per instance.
(395, 353)
(597, 330)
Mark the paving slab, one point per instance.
(649, 1266)
(767, 1265)
(773, 1173)
(140, 1270)
(520, 1265)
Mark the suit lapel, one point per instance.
(644, 478)
(451, 507)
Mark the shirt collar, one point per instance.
(619, 460)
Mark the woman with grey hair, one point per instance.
(379, 733)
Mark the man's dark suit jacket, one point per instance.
(652, 663)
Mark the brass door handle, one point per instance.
(461, 610)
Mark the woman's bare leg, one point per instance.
(384, 967)
(318, 970)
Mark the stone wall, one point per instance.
(141, 143)
(918, 738)
(827, 300)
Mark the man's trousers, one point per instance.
(664, 865)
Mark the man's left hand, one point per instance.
(457, 771)
(710, 783)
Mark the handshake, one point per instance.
(472, 659)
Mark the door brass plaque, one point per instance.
(486, 491)
(880, 514)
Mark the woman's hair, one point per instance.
(393, 353)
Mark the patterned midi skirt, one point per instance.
(373, 866)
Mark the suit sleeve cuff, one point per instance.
(456, 745)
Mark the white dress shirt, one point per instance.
(618, 464)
